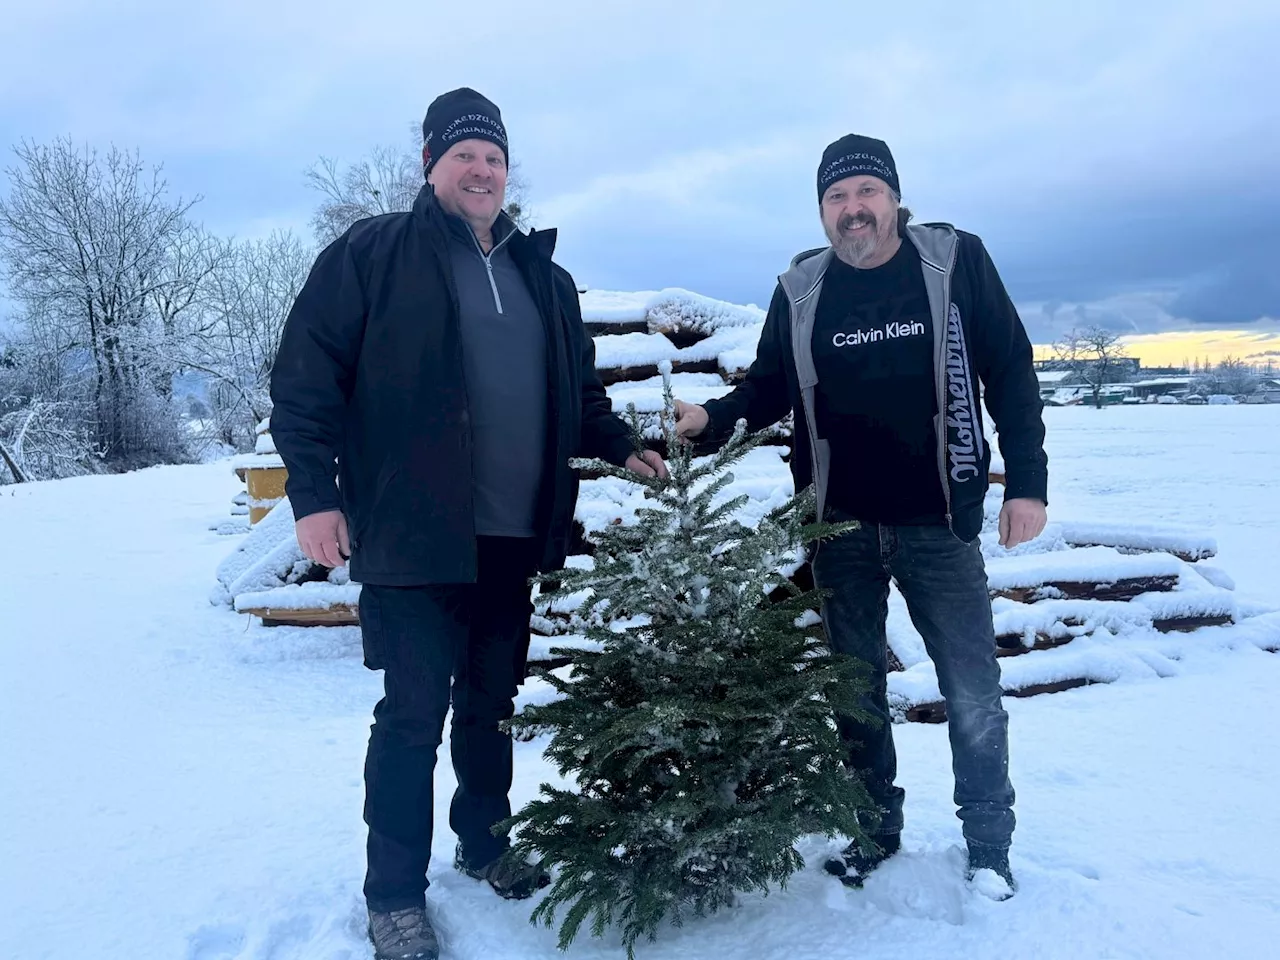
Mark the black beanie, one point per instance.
(460, 114)
(855, 156)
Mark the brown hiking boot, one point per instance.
(403, 935)
(510, 878)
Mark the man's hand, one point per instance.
(691, 419)
(323, 538)
(648, 464)
(1021, 519)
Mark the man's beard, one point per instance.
(855, 248)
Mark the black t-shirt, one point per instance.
(876, 395)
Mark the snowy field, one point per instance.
(180, 783)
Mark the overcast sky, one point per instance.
(1119, 159)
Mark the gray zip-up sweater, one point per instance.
(978, 337)
(505, 366)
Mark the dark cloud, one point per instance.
(1219, 261)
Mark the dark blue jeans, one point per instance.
(476, 635)
(944, 583)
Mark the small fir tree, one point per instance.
(701, 732)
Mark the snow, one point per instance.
(181, 782)
(304, 596)
(258, 561)
(733, 348)
(1052, 376)
(667, 309)
(647, 394)
(1187, 542)
(734, 343)
(616, 350)
(256, 461)
(1087, 565)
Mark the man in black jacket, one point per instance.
(876, 344)
(433, 380)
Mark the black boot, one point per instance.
(984, 861)
(855, 862)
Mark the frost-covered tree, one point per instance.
(700, 732)
(232, 343)
(87, 248)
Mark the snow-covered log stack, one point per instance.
(710, 344)
(1082, 604)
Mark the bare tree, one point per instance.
(246, 300)
(386, 181)
(87, 246)
(1091, 354)
(1234, 376)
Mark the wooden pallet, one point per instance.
(342, 615)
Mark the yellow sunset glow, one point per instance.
(1174, 348)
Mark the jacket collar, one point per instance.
(935, 243)
(540, 244)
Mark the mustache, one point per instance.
(848, 221)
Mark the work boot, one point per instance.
(403, 935)
(511, 878)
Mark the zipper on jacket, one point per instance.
(488, 265)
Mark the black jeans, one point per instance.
(476, 634)
(944, 583)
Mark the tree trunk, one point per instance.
(18, 475)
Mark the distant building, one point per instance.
(1051, 380)
(1268, 391)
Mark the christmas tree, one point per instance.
(701, 731)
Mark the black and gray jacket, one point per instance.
(371, 406)
(978, 338)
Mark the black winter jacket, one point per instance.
(370, 404)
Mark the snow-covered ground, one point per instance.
(179, 783)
